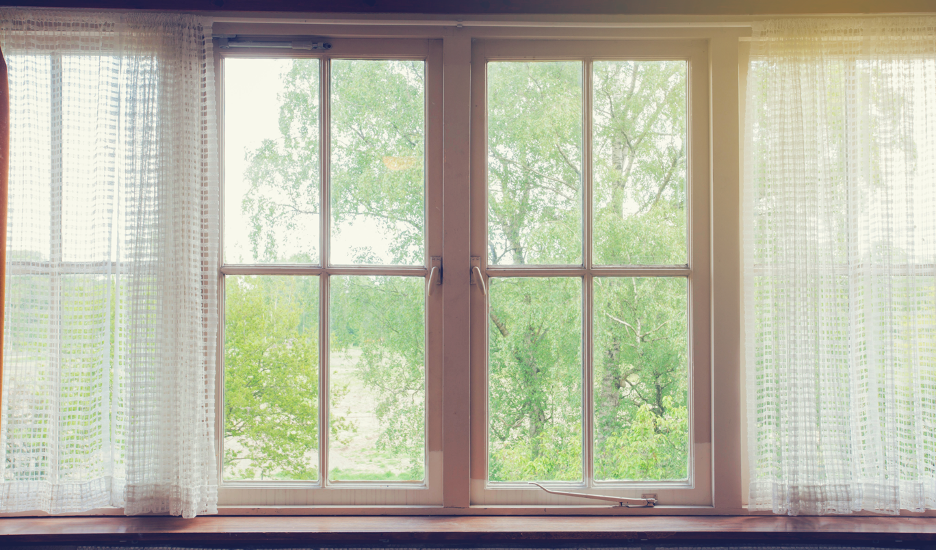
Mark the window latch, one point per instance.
(646, 502)
(435, 272)
(476, 276)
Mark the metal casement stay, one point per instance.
(645, 502)
(228, 41)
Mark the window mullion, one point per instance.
(458, 295)
(725, 303)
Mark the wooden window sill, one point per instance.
(381, 530)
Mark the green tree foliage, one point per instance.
(383, 318)
(535, 379)
(641, 378)
(377, 153)
(271, 378)
(535, 165)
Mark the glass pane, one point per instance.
(64, 366)
(271, 378)
(641, 379)
(30, 362)
(534, 167)
(87, 370)
(85, 162)
(271, 160)
(377, 165)
(377, 381)
(639, 162)
(535, 380)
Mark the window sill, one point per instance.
(464, 529)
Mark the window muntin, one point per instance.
(655, 267)
(362, 374)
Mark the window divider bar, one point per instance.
(324, 287)
(640, 271)
(219, 64)
(363, 270)
(577, 271)
(588, 428)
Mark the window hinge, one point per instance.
(647, 501)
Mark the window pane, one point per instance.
(30, 362)
(534, 169)
(535, 379)
(85, 159)
(30, 175)
(271, 378)
(377, 379)
(641, 379)
(271, 160)
(639, 162)
(377, 143)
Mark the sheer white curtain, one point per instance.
(111, 313)
(840, 265)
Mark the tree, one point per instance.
(271, 378)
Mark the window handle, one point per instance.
(479, 279)
(434, 273)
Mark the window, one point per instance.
(588, 178)
(328, 243)
(589, 201)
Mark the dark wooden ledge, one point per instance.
(541, 530)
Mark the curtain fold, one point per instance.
(111, 283)
(840, 265)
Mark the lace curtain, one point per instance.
(840, 265)
(111, 281)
